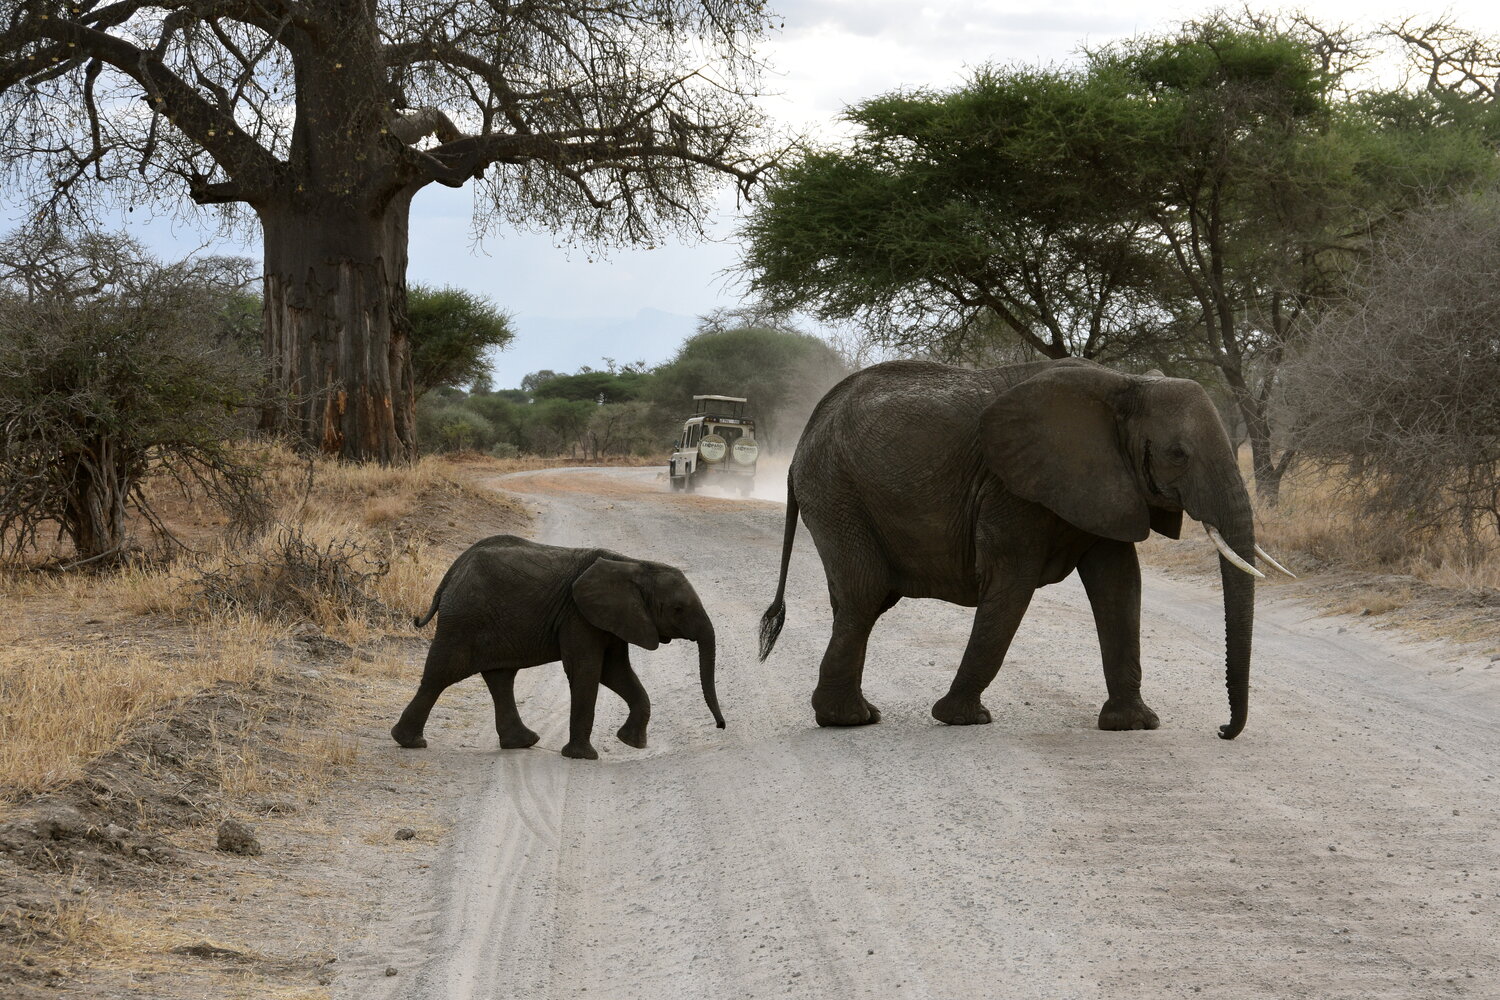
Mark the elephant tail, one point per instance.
(437, 595)
(419, 622)
(775, 616)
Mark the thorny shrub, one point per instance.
(289, 576)
(1396, 394)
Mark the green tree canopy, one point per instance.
(595, 386)
(452, 333)
(1003, 196)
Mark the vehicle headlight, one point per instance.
(712, 448)
(745, 451)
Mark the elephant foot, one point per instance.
(633, 736)
(844, 710)
(412, 741)
(1120, 715)
(518, 739)
(580, 751)
(957, 711)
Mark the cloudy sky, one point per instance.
(573, 308)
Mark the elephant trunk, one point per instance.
(1238, 529)
(707, 650)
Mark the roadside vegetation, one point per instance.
(346, 552)
(635, 411)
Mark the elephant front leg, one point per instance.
(1111, 576)
(583, 659)
(508, 725)
(995, 622)
(621, 679)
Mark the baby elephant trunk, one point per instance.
(706, 652)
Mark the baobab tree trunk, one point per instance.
(336, 330)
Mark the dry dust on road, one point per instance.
(1345, 846)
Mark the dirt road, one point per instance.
(1347, 845)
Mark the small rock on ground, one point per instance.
(237, 838)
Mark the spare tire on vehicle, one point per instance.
(713, 449)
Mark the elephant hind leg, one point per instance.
(508, 725)
(839, 700)
(446, 660)
(859, 591)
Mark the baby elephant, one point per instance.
(508, 603)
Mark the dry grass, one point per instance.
(68, 692)
(1350, 564)
(63, 707)
(1318, 523)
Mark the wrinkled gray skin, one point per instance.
(508, 603)
(977, 487)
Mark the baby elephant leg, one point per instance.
(621, 679)
(508, 725)
(446, 661)
(583, 660)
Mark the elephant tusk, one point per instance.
(1230, 554)
(1262, 553)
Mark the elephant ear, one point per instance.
(609, 596)
(1055, 440)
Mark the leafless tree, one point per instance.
(1450, 59)
(1399, 387)
(610, 120)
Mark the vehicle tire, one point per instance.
(689, 482)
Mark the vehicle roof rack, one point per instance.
(729, 406)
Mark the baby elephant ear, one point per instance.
(1055, 440)
(609, 596)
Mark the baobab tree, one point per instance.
(612, 120)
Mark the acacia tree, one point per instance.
(1000, 205)
(1266, 180)
(452, 333)
(610, 119)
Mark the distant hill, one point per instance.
(564, 344)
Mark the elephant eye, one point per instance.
(1176, 453)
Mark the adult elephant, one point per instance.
(918, 479)
(508, 603)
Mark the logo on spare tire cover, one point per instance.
(745, 450)
(712, 448)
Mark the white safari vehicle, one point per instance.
(717, 447)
